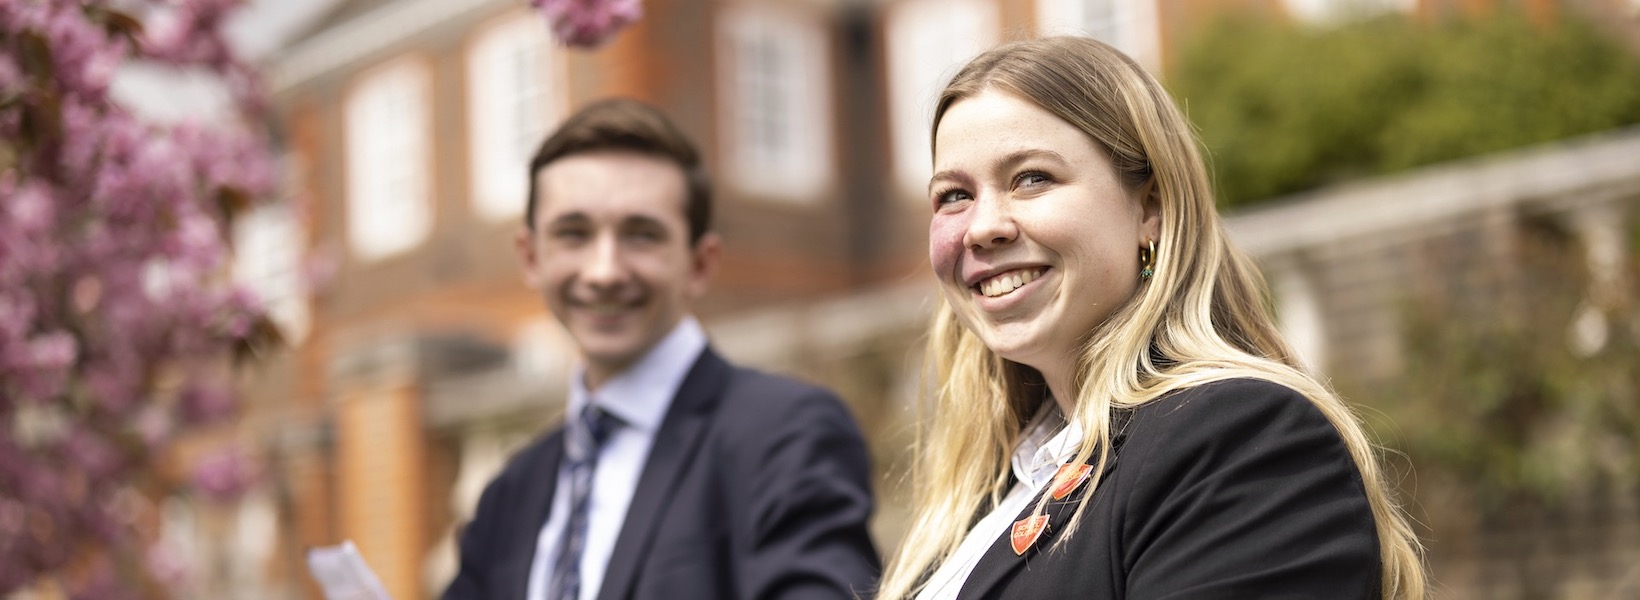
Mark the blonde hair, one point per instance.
(1201, 318)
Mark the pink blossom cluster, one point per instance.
(224, 475)
(116, 315)
(189, 37)
(588, 23)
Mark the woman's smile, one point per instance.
(1004, 284)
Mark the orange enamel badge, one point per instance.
(1068, 479)
(1026, 531)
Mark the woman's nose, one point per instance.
(991, 225)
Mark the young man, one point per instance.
(676, 475)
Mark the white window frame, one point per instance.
(928, 41)
(775, 104)
(388, 120)
(516, 86)
(268, 252)
(1331, 12)
(1129, 25)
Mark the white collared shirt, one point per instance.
(639, 397)
(1036, 459)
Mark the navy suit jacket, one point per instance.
(756, 487)
(1233, 489)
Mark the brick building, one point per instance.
(424, 361)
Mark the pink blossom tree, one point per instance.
(118, 321)
(588, 23)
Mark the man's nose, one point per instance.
(605, 266)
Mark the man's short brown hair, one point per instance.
(624, 124)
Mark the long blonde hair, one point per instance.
(1202, 317)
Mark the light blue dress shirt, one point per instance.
(639, 397)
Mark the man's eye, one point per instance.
(569, 234)
(647, 235)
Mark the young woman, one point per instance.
(1116, 415)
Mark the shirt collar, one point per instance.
(1048, 442)
(641, 395)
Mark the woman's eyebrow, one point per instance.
(1006, 163)
(1013, 159)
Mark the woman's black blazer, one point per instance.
(1234, 489)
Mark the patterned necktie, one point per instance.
(582, 440)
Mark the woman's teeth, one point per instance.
(1010, 281)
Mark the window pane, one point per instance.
(267, 258)
(1129, 25)
(776, 109)
(387, 125)
(515, 90)
(928, 41)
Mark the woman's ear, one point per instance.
(1150, 206)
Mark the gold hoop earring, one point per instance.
(1147, 257)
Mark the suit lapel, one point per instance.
(999, 561)
(535, 502)
(676, 443)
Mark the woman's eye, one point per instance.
(1032, 178)
(950, 196)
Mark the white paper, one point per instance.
(343, 574)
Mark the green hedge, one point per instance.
(1283, 108)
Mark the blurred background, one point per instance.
(1444, 196)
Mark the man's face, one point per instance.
(610, 253)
